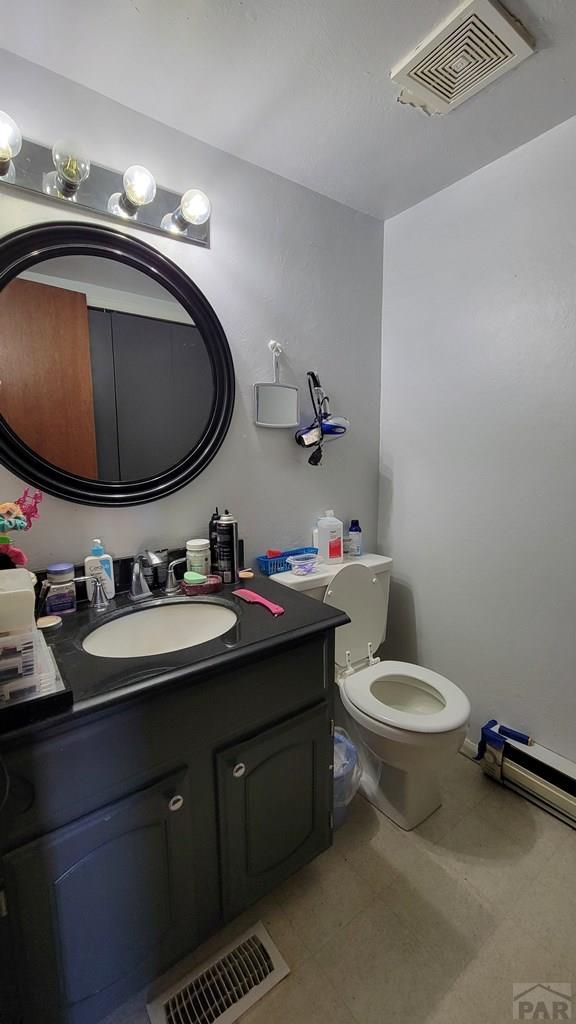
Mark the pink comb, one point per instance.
(252, 598)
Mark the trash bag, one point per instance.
(347, 774)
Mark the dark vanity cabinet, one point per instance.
(101, 899)
(133, 833)
(273, 815)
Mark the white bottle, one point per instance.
(330, 538)
(99, 564)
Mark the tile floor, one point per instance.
(427, 927)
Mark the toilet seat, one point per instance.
(390, 693)
(419, 689)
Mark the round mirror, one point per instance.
(116, 382)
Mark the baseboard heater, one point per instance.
(539, 774)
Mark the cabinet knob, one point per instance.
(176, 803)
(238, 770)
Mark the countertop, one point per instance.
(97, 683)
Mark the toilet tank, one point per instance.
(316, 584)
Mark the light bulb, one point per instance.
(194, 208)
(10, 142)
(72, 168)
(139, 185)
(139, 190)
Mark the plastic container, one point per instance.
(347, 774)
(198, 556)
(270, 566)
(43, 689)
(17, 600)
(303, 565)
(27, 669)
(61, 599)
(330, 537)
(355, 539)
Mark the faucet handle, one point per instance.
(98, 601)
(172, 587)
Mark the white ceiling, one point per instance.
(301, 87)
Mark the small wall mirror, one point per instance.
(117, 384)
(276, 404)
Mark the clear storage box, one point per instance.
(27, 668)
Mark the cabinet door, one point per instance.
(275, 794)
(102, 905)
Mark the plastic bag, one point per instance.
(347, 771)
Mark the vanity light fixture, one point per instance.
(10, 146)
(133, 197)
(139, 190)
(72, 168)
(194, 208)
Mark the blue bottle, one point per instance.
(355, 534)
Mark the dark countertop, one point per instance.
(97, 683)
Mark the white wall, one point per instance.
(478, 436)
(285, 263)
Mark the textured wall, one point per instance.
(285, 263)
(478, 445)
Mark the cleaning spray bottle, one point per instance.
(99, 564)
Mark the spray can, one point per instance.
(227, 547)
(213, 540)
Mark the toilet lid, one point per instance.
(357, 591)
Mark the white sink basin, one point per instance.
(159, 630)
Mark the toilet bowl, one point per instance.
(406, 720)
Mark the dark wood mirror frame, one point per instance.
(22, 250)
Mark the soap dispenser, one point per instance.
(99, 564)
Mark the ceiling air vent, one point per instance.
(479, 42)
(223, 988)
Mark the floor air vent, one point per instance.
(473, 47)
(223, 988)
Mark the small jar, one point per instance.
(61, 599)
(198, 556)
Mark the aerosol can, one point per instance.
(227, 547)
(212, 529)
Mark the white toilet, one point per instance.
(406, 720)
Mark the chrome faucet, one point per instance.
(139, 588)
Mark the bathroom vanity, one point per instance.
(185, 782)
(179, 789)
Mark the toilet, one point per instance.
(406, 720)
